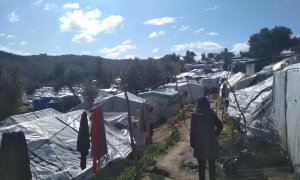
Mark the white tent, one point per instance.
(189, 91)
(117, 103)
(287, 111)
(58, 158)
(164, 103)
(212, 80)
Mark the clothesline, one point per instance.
(68, 125)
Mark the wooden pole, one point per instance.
(130, 128)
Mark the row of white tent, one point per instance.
(269, 102)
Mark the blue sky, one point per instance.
(142, 28)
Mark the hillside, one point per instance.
(41, 66)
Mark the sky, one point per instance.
(138, 28)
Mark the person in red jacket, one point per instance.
(205, 127)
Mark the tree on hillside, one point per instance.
(189, 57)
(171, 57)
(211, 55)
(103, 76)
(154, 75)
(89, 92)
(171, 64)
(203, 57)
(226, 57)
(142, 74)
(67, 77)
(296, 45)
(11, 89)
(268, 43)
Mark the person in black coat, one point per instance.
(205, 127)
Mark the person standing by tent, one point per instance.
(205, 127)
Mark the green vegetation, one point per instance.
(11, 89)
(148, 156)
(268, 43)
(229, 132)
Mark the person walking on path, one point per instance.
(205, 127)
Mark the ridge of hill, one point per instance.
(43, 65)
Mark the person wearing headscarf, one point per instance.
(205, 127)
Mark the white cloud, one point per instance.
(87, 25)
(206, 45)
(199, 30)
(212, 33)
(174, 27)
(9, 36)
(12, 43)
(216, 7)
(2, 34)
(23, 43)
(184, 28)
(49, 6)
(85, 52)
(109, 23)
(13, 17)
(154, 34)
(115, 52)
(38, 2)
(155, 50)
(71, 6)
(160, 21)
(19, 52)
(240, 47)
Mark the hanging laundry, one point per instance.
(98, 138)
(83, 141)
(14, 160)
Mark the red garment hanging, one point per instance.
(98, 138)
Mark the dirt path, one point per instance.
(172, 161)
(180, 164)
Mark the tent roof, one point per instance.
(58, 157)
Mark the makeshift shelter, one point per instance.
(163, 104)
(212, 80)
(117, 103)
(52, 140)
(286, 111)
(225, 88)
(189, 91)
(255, 103)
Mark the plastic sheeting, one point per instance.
(286, 111)
(233, 80)
(254, 102)
(212, 80)
(58, 158)
(164, 103)
(189, 91)
(117, 103)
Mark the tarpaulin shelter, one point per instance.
(255, 103)
(212, 80)
(117, 103)
(163, 104)
(232, 81)
(189, 91)
(286, 98)
(58, 158)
